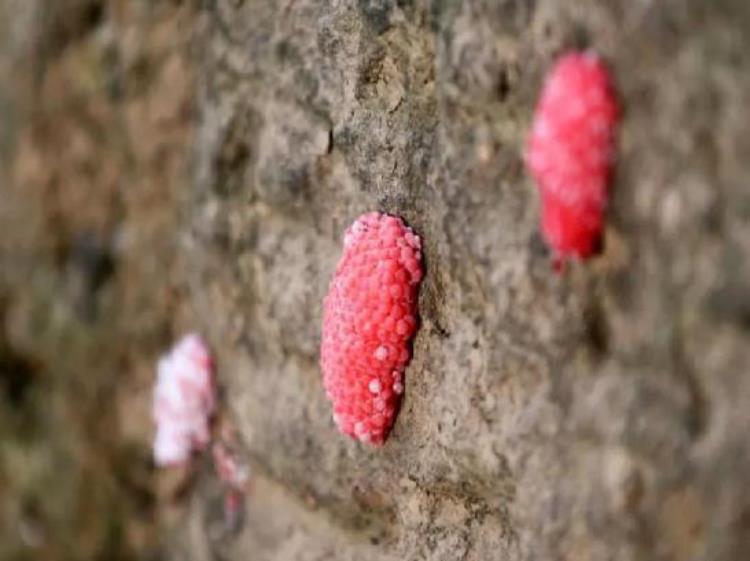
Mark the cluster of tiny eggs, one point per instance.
(369, 318)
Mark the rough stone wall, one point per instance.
(599, 414)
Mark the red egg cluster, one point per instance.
(570, 153)
(369, 318)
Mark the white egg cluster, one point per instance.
(184, 400)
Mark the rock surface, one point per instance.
(599, 414)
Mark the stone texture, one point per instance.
(597, 415)
(602, 414)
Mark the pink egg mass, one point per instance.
(570, 153)
(369, 319)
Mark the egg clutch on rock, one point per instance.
(184, 401)
(369, 319)
(570, 153)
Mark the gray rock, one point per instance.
(599, 414)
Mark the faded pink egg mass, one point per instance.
(183, 402)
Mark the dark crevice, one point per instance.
(17, 375)
(68, 22)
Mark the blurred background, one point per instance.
(96, 106)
